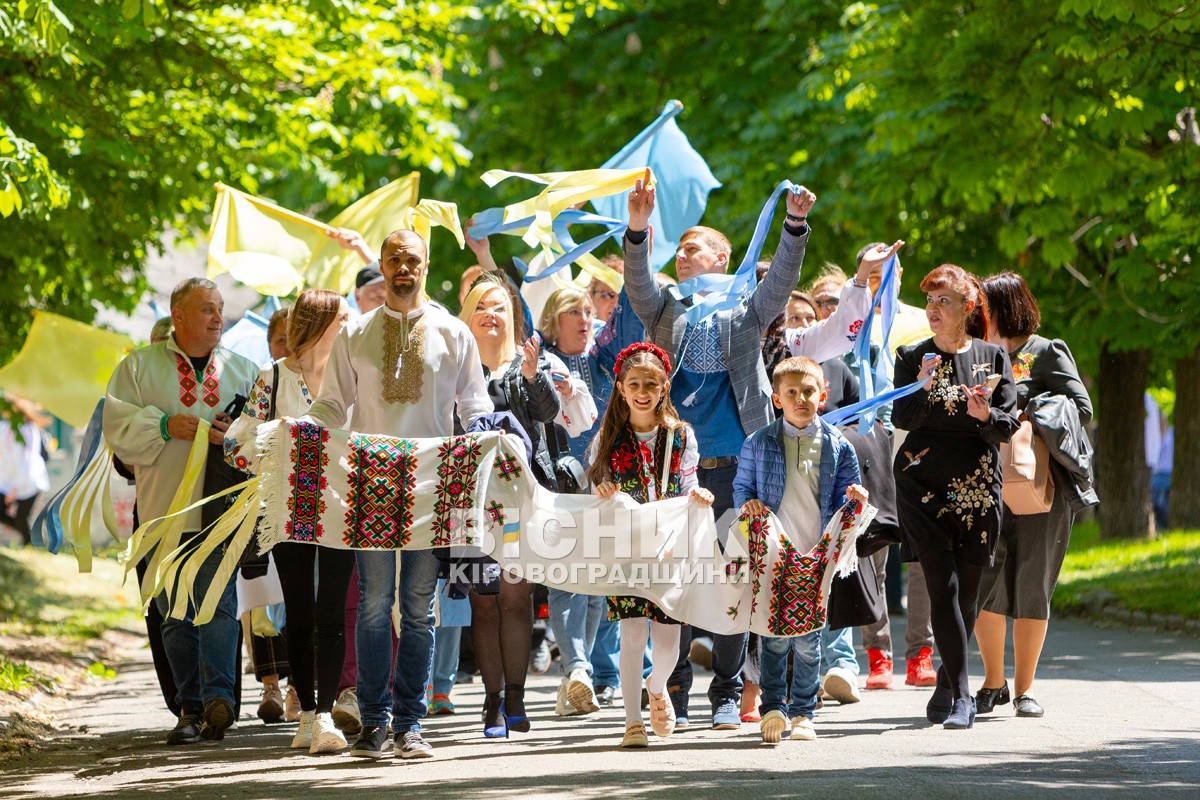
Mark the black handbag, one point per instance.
(854, 600)
(569, 473)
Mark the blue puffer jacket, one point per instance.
(762, 472)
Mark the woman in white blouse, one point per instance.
(286, 389)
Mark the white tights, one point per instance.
(664, 653)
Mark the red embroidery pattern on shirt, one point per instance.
(187, 382)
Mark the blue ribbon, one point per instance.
(490, 222)
(870, 406)
(727, 291)
(47, 527)
(615, 228)
(871, 381)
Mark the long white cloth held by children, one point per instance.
(788, 591)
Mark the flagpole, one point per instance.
(670, 111)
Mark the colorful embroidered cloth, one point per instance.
(358, 491)
(362, 491)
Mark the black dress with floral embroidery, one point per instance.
(636, 467)
(948, 478)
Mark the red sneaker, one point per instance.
(881, 669)
(920, 669)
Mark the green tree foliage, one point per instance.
(1051, 138)
(118, 117)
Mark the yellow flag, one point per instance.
(265, 246)
(65, 365)
(436, 212)
(374, 216)
(392, 208)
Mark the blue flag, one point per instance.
(248, 337)
(683, 182)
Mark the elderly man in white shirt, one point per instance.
(399, 370)
(152, 412)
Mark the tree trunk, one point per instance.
(1185, 478)
(1123, 479)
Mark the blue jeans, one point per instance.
(574, 618)
(203, 658)
(373, 639)
(446, 640)
(729, 650)
(605, 667)
(837, 647)
(806, 674)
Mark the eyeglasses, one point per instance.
(828, 302)
(603, 294)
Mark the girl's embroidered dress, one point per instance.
(641, 465)
(948, 477)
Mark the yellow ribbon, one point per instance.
(165, 538)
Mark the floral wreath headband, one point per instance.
(642, 347)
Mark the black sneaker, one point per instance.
(605, 695)
(186, 731)
(218, 716)
(679, 701)
(370, 742)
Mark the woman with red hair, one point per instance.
(948, 476)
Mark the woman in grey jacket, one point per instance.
(1032, 546)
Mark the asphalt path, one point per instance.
(1122, 717)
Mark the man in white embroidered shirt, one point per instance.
(402, 367)
(152, 412)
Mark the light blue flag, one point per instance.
(249, 338)
(683, 181)
(877, 380)
(47, 530)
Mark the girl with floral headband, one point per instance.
(644, 450)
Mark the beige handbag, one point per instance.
(1028, 484)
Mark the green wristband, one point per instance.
(162, 429)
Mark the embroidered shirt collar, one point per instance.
(417, 312)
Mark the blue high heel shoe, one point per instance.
(519, 723)
(494, 731)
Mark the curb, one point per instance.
(1117, 615)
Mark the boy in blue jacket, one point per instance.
(802, 469)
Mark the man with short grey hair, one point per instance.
(156, 400)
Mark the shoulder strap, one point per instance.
(274, 390)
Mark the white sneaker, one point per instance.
(326, 738)
(802, 728)
(840, 684)
(773, 724)
(291, 705)
(562, 706)
(345, 712)
(304, 735)
(580, 693)
(662, 714)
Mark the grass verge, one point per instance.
(1158, 576)
(59, 631)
